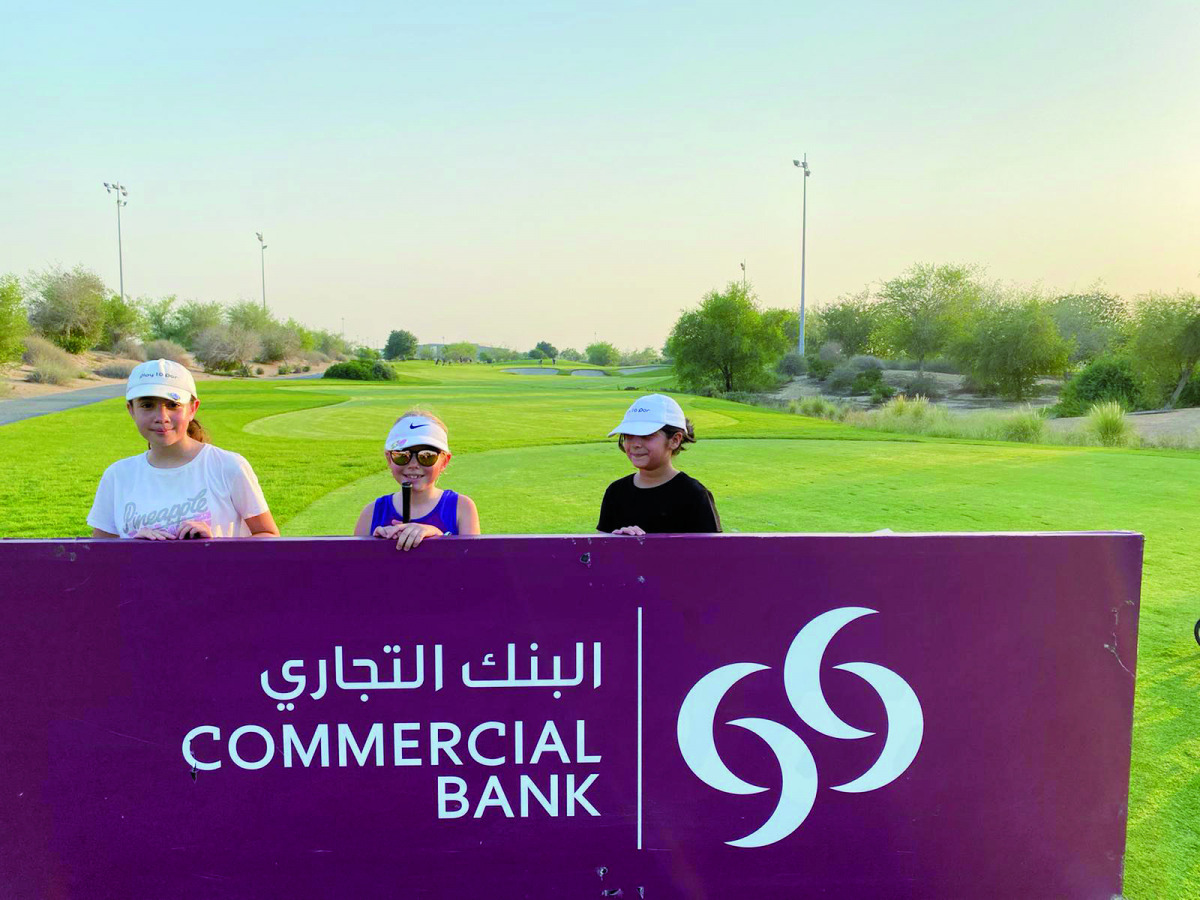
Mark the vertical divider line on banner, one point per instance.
(639, 728)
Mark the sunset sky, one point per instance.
(508, 173)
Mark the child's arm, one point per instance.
(262, 525)
(362, 528)
(468, 515)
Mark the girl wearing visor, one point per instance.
(657, 498)
(182, 486)
(417, 451)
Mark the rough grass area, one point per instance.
(531, 451)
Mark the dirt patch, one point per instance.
(955, 397)
(1178, 423)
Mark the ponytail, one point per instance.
(197, 433)
(689, 435)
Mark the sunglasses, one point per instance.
(426, 458)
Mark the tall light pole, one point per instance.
(263, 255)
(119, 189)
(803, 164)
(743, 276)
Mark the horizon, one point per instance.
(588, 177)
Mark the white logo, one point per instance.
(802, 683)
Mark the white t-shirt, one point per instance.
(217, 487)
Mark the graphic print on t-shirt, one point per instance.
(169, 518)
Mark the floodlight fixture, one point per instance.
(119, 189)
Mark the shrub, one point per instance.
(278, 343)
(1190, 395)
(362, 370)
(1107, 378)
(940, 364)
(222, 349)
(819, 408)
(863, 362)
(366, 353)
(830, 352)
(284, 369)
(306, 368)
(792, 364)
(163, 349)
(38, 350)
(819, 368)
(115, 370)
(841, 378)
(129, 348)
(1107, 423)
(867, 381)
(314, 357)
(1027, 425)
(259, 370)
(50, 372)
(922, 386)
(882, 392)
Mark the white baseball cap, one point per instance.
(417, 431)
(648, 414)
(161, 378)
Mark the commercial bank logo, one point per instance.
(802, 684)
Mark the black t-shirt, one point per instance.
(681, 506)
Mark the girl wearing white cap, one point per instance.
(182, 486)
(657, 498)
(417, 450)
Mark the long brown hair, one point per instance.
(198, 432)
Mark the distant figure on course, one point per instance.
(657, 498)
(182, 486)
(417, 450)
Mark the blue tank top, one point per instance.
(443, 516)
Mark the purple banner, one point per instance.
(907, 716)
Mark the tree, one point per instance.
(1166, 342)
(1094, 324)
(925, 308)
(726, 343)
(122, 319)
(548, 350)
(462, 351)
(248, 315)
(68, 308)
(195, 317)
(852, 321)
(571, 355)
(643, 357)
(160, 318)
(13, 324)
(602, 353)
(1010, 344)
(400, 345)
(223, 348)
(278, 342)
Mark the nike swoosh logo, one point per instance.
(416, 426)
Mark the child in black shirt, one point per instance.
(657, 498)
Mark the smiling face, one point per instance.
(160, 421)
(420, 477)
(650, 451)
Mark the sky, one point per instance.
(509, 173)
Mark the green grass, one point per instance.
(531, 451)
